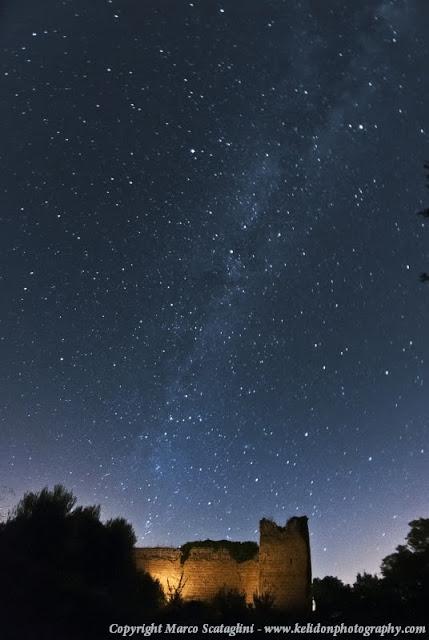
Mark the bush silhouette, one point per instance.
(63, 569)
(230, 605)
(333, 598)
(263, 602)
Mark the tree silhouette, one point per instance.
(406, 571)
(370, 599)
(66, 569)
(333, 598)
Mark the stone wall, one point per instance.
(282, 567)
(203, 574)
(162, 563)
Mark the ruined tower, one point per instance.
(285, 564)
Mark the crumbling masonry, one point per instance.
(281, 566)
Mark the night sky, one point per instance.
(210, 300)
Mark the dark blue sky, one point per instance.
(211, 309)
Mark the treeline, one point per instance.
(401, 593)
(67, 575)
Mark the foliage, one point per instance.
(418, 536)
(406, 571)
(401, 593)
(263, 602)
(230, 605)
(331, 595)
(57, 503)
(64, 568)
(175, 591)
(239, 551)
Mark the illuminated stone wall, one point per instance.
(203, 574)
(282, 567)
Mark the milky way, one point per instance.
(211, 307)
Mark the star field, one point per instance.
(211, 309)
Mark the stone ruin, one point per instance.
(279, 566)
